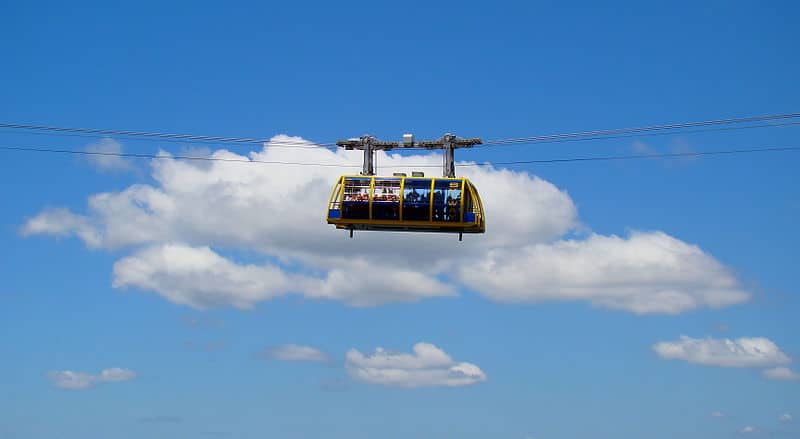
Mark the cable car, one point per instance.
(410, 204)
(400, 203)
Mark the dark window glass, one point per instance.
(417, 199)
(355, 203)
(469, 212)
(386, 199)
(467, 201)
(447, 200)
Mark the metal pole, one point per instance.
(369, 156)
(448, 156)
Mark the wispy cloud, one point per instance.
(742, 352)
(748, 429)
(782, 374)
(103, 156)
(677, 146)
(640, 147)
(67, 379)
(427, 366)
(294, 352)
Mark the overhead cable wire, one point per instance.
(335, 165)
(637, 135)
(272, 144)
(639, 156)
(159, 135)
(167, 156)
(518, 140)
(675, 126)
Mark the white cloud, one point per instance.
(427, 366)
(645, 273)
(67, 379)
(61, 223)
(116, 374)
(742, 352)
(174, 229)
(293, 352)
(102, 155)
(748, 429)
(782, 374)
(718, 414)
(785, 417)
(201, 278)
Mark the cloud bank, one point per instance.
(176, 233)
(427, 366)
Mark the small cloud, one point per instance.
(748, 429)
(62, 223)
(742, 352)
(103, 156)
(781, 374)
(293, 352)
(718, 414)
(427, 366)
(67, 379)
(722, 327)
(115, 374)
(785, 417)
(640, 147)
(161, 419)
(680, 151)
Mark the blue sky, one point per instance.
(186, 282)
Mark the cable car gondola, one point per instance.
(401, 203)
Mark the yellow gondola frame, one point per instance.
(470, 222)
